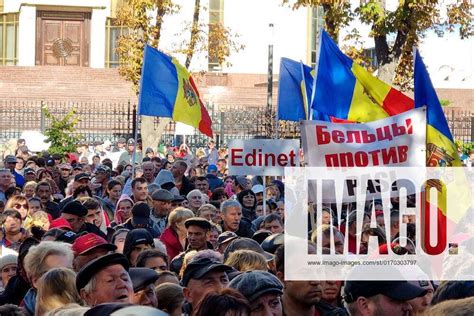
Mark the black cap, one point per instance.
(178, 198)
(81, 176)
(141, 213)
(29, 171)
(50, 162)
(67, 237)
(226, 237)
(260, 235)
(102, 168)
(130, 141)
(95, 266)
(135, 237)
(246, 243)
(397, 290)
(271, 243)
(254, 284)
(141, 277)
(197, 269)
(197, 221)
(75, 208)
(162, 195)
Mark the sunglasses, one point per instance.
(19, 206)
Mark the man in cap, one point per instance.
(105, 280)
(379, 297)
(29, 174)
(214, 181)
(10, 163)
(143, 280)
(88, 247)
(80, 178)
(178, 200)
(161, 208)
(74, 212)
(102, 177)
(198, 230)
(232, 219)
(180, 180)
(137, 241)
(224, 239)
(200, 277)
(127, 156)
(262, 289)
(44, 192)
(120, 146)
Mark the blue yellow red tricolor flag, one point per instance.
(168, 90)
(361, 97)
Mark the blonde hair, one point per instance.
(187, 257)
(68, 310)
(56, 288)
(34, 260)
(246, 260)
(38, 219)
(460, 307)
(206, 207)
(178, 215)
(16, 199)
(30, 184)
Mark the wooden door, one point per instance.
(62, 39)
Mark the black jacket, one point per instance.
(15, 291)
(186, 186)
(245, 229)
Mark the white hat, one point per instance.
(258, 188)
(8, 260)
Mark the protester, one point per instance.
(137, 240)
(153, 259)
(232, 219)
(175, 235)
(143, 281)
(170, 298)
(105, 280)
(56, 288)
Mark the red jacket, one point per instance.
(171, 240)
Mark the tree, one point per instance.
(407, 22)
(59, 134)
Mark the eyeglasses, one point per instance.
(19, 206)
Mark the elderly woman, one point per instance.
(174, 236)
(195, 200)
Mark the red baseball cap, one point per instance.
(89, 242)
(60, 223)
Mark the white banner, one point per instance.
(262, 157)
(395, 141)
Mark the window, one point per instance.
(8, 38)
(216, 15)
(370, 53)
(112, 34)
(317, 22)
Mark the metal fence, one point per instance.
(100, 121)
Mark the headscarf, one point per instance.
(118, 214)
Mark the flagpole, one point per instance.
(137, 119)
(316, 65)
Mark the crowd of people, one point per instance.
(89, 233)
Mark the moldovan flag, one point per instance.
(168, 90)
(347, 91)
